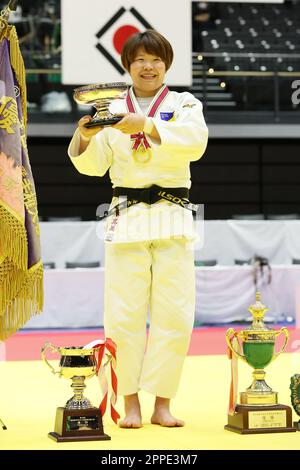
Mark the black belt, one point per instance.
(152, 194)
(149, 195)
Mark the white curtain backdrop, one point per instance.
(224, 240)
(74, 298)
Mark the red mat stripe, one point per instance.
(26, 346)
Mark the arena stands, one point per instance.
(256, 46)
(245, 60)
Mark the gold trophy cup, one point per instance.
(258, 411)
(78, 420)
(101, 97)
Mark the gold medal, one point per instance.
(142, 155)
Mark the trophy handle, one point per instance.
(43, 353)
(231, 332)
(286, 332)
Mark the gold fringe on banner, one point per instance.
(21, 288)
(27, 288)
(13, 244)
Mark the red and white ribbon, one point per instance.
(140, 140)
(110, 346)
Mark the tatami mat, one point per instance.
(30, 393)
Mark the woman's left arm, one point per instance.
(133, 123)
(188, 134)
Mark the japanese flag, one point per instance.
(93, 36)
(114, 34)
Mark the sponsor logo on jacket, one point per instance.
(165, 116)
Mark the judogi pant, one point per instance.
(159, 274)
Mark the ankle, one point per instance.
(131, 401)
(162, 403)
(132, 397)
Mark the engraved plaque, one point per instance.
(267, 419)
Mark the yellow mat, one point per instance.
(29, 395)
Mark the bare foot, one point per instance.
(162, 415)
(133, 417)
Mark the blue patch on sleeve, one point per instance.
(167, 116)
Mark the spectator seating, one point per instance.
(49, 265)
(259, 38)
(89, 264)
(210, 262)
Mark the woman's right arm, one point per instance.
(86, 133)
(90, 153)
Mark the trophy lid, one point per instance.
(258, 311)
(258, 330)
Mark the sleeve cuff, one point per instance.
(148, 127)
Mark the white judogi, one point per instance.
(149, 259)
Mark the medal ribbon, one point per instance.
(234, 376)
(112, 348)
(140, 140)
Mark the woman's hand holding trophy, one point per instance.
(100, 96)
(86, 133)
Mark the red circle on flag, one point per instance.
(121, 36)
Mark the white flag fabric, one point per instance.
(94, 32)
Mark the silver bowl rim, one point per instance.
(100, 86)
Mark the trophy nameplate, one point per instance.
(260, 420)
(78, 425)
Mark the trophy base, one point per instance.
(56, 437)
(260, 419)
(78, 425)
(104, 122)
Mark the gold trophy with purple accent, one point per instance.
(78, 420)
(103, 97)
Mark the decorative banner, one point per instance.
(93, 37)
(21, 268)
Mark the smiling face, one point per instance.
(147, 72)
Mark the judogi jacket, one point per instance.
(180, 123)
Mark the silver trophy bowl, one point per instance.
(101, 96)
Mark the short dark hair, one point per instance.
(152, 42)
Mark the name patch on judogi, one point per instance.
(167, 116)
